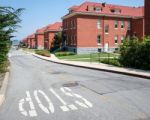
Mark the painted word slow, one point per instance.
(79, 101)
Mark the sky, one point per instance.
(40, 13)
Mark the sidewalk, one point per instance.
(98, 66)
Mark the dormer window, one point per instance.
(98, 9)
(116, 11)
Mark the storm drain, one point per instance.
(71, 84)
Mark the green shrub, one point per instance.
(3, 66)
(114, 62)
(135, 53)
(43, 53)
(64, 53)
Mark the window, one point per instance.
(122, 24)
(98, 9)
(67, 25)
(116, 39)
(98, 24)
(73, 23)
(74, 40)
(99, 50)
(122, 38)
(67, 40)
(99, 39)
(117, 11)
(116, 24)
(129, 25)
(116, 49)
(106, 29)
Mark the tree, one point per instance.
(57, 41)
(136, 53)
(9, 19)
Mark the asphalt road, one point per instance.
(41, 90)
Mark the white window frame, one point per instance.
(122, 38)
(129, 25)
(116, 39)
(99, 24)
(107, 28)
(99, 39)
(116, 24)
(122, 24)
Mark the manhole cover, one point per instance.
(71, 84)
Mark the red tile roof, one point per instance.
(31, 36)
(41, 30)
(126, 11)
(24, 40)
(54, 27)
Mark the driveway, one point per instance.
(41, 90)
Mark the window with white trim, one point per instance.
(116, 24)
(116, 39)
(98, 39)
(106, 29)
(122, 38)
(99, 24)
(98, 9)
(129, 25)
(122, 24)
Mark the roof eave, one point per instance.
(104, 15)
(53, 30)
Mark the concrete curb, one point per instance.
(94, 68)
(4, 88)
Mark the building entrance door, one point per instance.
(106, 47)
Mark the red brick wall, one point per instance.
(46, 40)
(138, 27)
(87, 31)
(147, 17)
(49, 37)
(70, 31)
(32, 42)
(40, 40)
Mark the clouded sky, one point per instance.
(40, 13)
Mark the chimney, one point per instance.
(103, 4)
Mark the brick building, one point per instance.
(39, 38)
(32, 41)
(50, 32)
(147, 17)
(93, 27)
(25, 41)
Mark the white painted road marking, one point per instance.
(65, 106)
(86, 103)
(32, 112)
(45, 109)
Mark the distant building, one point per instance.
(93, 27)
(30, 41)
(39, 38)
(50, 32)
(147, 17)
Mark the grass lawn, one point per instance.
(87, 57)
